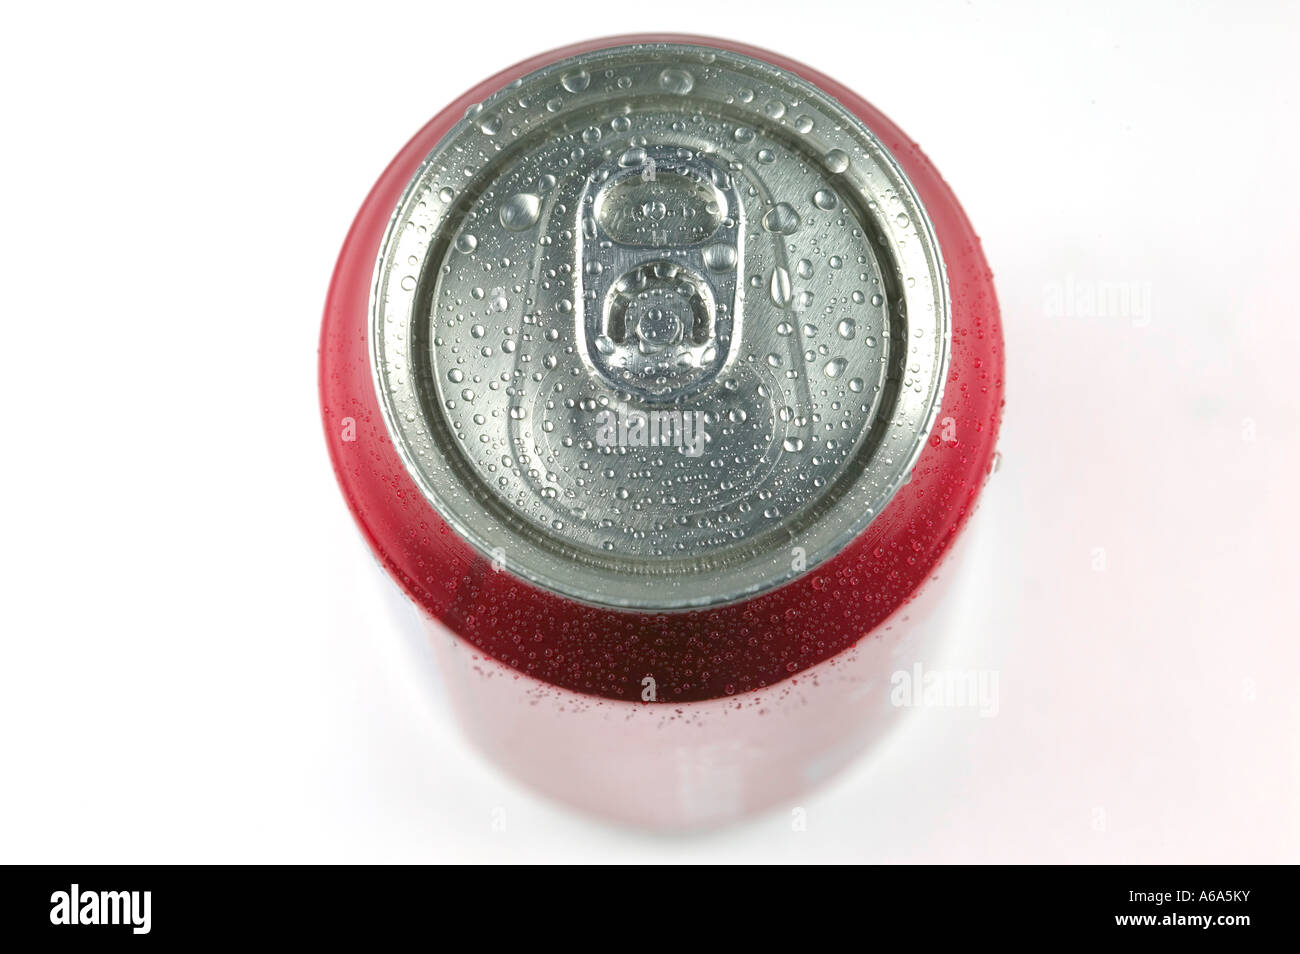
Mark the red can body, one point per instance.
(751, 702)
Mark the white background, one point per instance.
(200, 660)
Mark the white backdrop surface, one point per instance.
(199, 661)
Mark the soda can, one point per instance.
(661, 373)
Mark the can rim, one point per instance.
(901, 465)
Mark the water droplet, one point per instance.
(782, 219)
(847, 328)
(520, 212)
(835, 367)
(837, 160)
(793, 444)
(576, 81)
(720, 257)
(780, 287)
(491, 125)
(677, 81)
(465, 242)
(446, 193)
(632, 158)
(825, 199)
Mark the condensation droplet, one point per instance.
(837, 161)
(673, 80)
(576, 81)
(780, 287)
(720, 257)
(520, 212)
(632, 158)
(782, 219)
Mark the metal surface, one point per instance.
(659, 327)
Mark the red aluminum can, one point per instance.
(662, 373)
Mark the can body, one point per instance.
(668, 709)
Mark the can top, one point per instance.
(659, 326)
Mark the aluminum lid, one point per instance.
(659, 327)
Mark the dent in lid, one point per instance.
(659, 327)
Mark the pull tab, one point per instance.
(659, 253)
